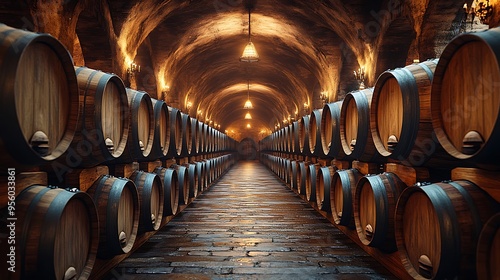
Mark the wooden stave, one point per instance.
(323, 185)
(417, 145)
(168, 176)
(18, 151)
(488, 244)
(109, 244)
(315, 143)
(364, 149)
(331, 111)
(145, 182)
(49, 216)
(386, 188)
(160, 112)
(183, 180)
(90, 119)
(348, 179)
(458, 260)
(486, 157)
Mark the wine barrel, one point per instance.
(161, 139)
(183, 179)
(151, 200)
(57, 233)
(315, 144)
(192, 171)
(208, 173)
(141, 132)
(175, 147)
(117, 205)
(400, 118)
(202, 132)
(437, 227)
(303, 130)
(355, 136)
(168, 176)
(374, 208)
(202, 174)
(195, 133)
(465, 104)
(301, 176)
(311, 179)
(104, 121)
(294, 138)
(330, 130)
(187, 135)
(342, 196)
(323, 184)
(288, 170)
(294, 175)
(39, 100)
(488, 250)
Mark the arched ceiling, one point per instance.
(189, 49)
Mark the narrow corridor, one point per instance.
(249, 225)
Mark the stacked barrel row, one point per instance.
(433, 116)
(58, 119)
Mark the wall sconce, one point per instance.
(189, 104)
(324, 97)
(133, 69)
(480, 9)
(360, 77)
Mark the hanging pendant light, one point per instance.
(249, 53)
(248, 103)
(248, 116)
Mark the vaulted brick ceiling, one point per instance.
(189, 50)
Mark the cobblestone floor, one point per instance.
(249, 225)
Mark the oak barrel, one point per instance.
(117, 203)
(311, 181)
(141, 132)
(202, 132)
(151, 200)
(355, 135)
(465, 104)
(301, 176)
(400, 118)
(161, 139)
(195, 145)
(168, 176)
(183, 180)
(315, 144)
(488, 250)
(104, 120)
(374, 207)
(437, 227)
(187, 134)
(192, 170)
(202, 182)
(57, 233)
(323, 184)
(175, 147)
(294, 138)
(330, 130)
(39, 100)
(342, 196)
(294, 175)
(303, 130)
